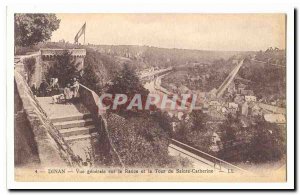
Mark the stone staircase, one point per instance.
(75, 127)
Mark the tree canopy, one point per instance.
(128, 83)
(260, 142)
(31, 29)
(64, 68)
(194, 131)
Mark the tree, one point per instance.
(31, 29)
(260, 142)
(139, 141)
(29, 66)
(90, 79)
(64, 68)
(229, 131)
(128, 83)
(268, 143)
(195, 132)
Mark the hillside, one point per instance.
(106, 60)
(164, 57)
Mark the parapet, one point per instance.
(58, 52)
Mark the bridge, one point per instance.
(146, 76)
(229, 79)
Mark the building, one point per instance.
(233, 107)
(231, 88)
(250, 98)
(256, 110)
(215, 142)
(215, 104)
(272, 109)
(224, 110)
(275, 118)
(245, 108)
(183, 89)
(247, 92)
(212, 93)
(241, 87)
(239, 99)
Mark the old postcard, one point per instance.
(150, 97)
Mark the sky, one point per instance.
(226, 32)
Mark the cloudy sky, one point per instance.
(231, 32)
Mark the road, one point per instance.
(154, 86)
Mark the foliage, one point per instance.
(267, 81)
(90, 79)
(104, 65)
(127, 82)
(99, 68)
(207, 76)
(139, 141)
(268, 143)
(31, 29)
(64, 68)
(29, 66)
(273, 56)
(260, 142)
(195, 132)
(163, 119)
(230, 150)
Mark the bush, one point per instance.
(139, 141)
(195, 132)
(64, 68)
(260, 142)
(29, 67)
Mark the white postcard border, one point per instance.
(151, 8)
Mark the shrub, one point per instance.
(29, 67)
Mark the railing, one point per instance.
(57, 52)
(89, 99)
(214, 161)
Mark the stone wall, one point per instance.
(51, 148)
(45, 58)
(25, 148)
(48, 55)
(38, 74)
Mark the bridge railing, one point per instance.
(217, 163)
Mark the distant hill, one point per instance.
(164, 57)
(106, 60)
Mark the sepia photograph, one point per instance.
(150, 97)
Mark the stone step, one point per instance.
(78, 131)
(74, 117)
(80, 137)
(73, 123)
